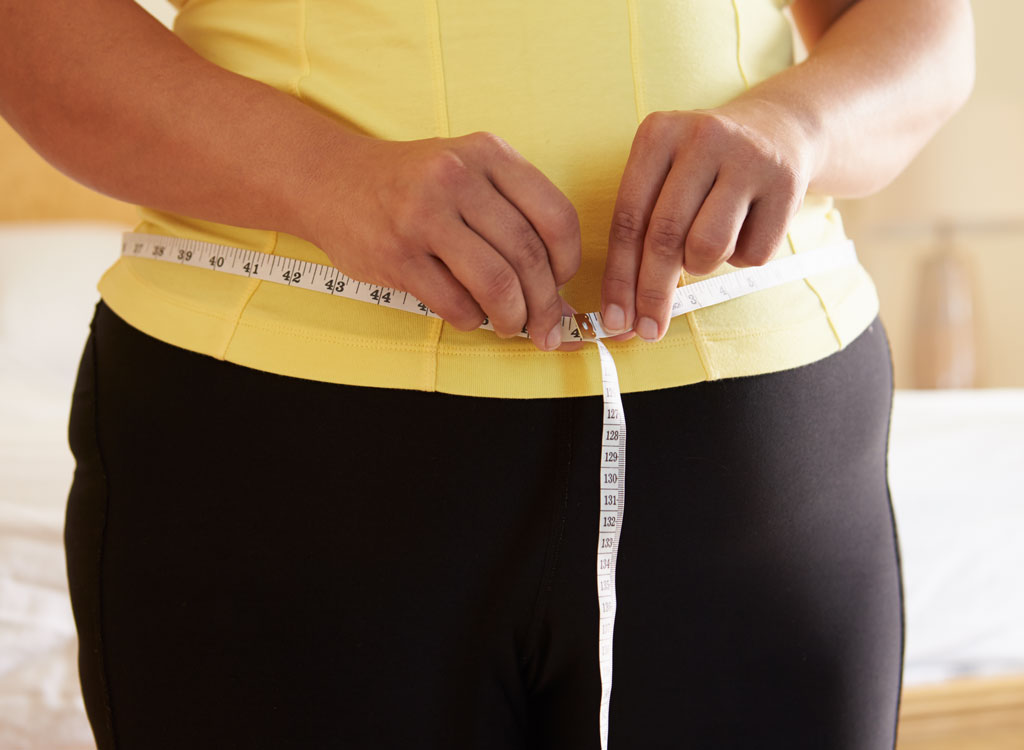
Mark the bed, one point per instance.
(956, 470)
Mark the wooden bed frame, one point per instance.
(964, 714)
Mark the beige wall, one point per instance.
(970, 177)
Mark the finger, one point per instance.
(569, 346)
(501, 225)
(483, 271)
(764, 230)
(429, 280)
(681, 198)
(544, 206)
(648, 163)
(712, 237)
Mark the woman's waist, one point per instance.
(817, 225)
(294, 331)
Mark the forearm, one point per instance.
(117, 102)
(877, 84)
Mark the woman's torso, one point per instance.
(564, 83)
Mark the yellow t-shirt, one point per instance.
(566, 83)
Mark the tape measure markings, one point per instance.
(612, 485)
(579, 327)
(304, 274)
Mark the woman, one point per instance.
(302, 521)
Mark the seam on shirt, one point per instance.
(443, 125)
(271, 250)
(171, 299)
(821, 300)
(303, 66)
(739, 46)
(437, 68)
(640, 95)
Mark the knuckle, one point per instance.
(532, 251)
(654, 126)
(453, 304)
(492, 144)
(618, 287)
(666, 235)
(651, 299)
(508, 324)
(788, 186)
(464, 316)
(547, 314)
(562, 221)
(756, 255)
(502, 287)
(406, 266)
(447, 168)
(708, 129)
(460, 309)
(787, 177)
(627, 226)
(564, 265)
(704, 247)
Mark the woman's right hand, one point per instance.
(466, 225)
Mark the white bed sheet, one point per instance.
(956, 469)
(956, 473)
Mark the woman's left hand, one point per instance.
(700, 188)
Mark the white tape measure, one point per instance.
(580, 327)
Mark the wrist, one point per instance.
(790, 121)
(331, 165)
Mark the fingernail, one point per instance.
(647, 329)
(554, 338)
(614, 319)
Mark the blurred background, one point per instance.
(945, 241)
(945, 246)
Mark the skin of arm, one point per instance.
(111, 98)
(704, 187)
(116, 101)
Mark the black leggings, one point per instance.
(258, 561)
